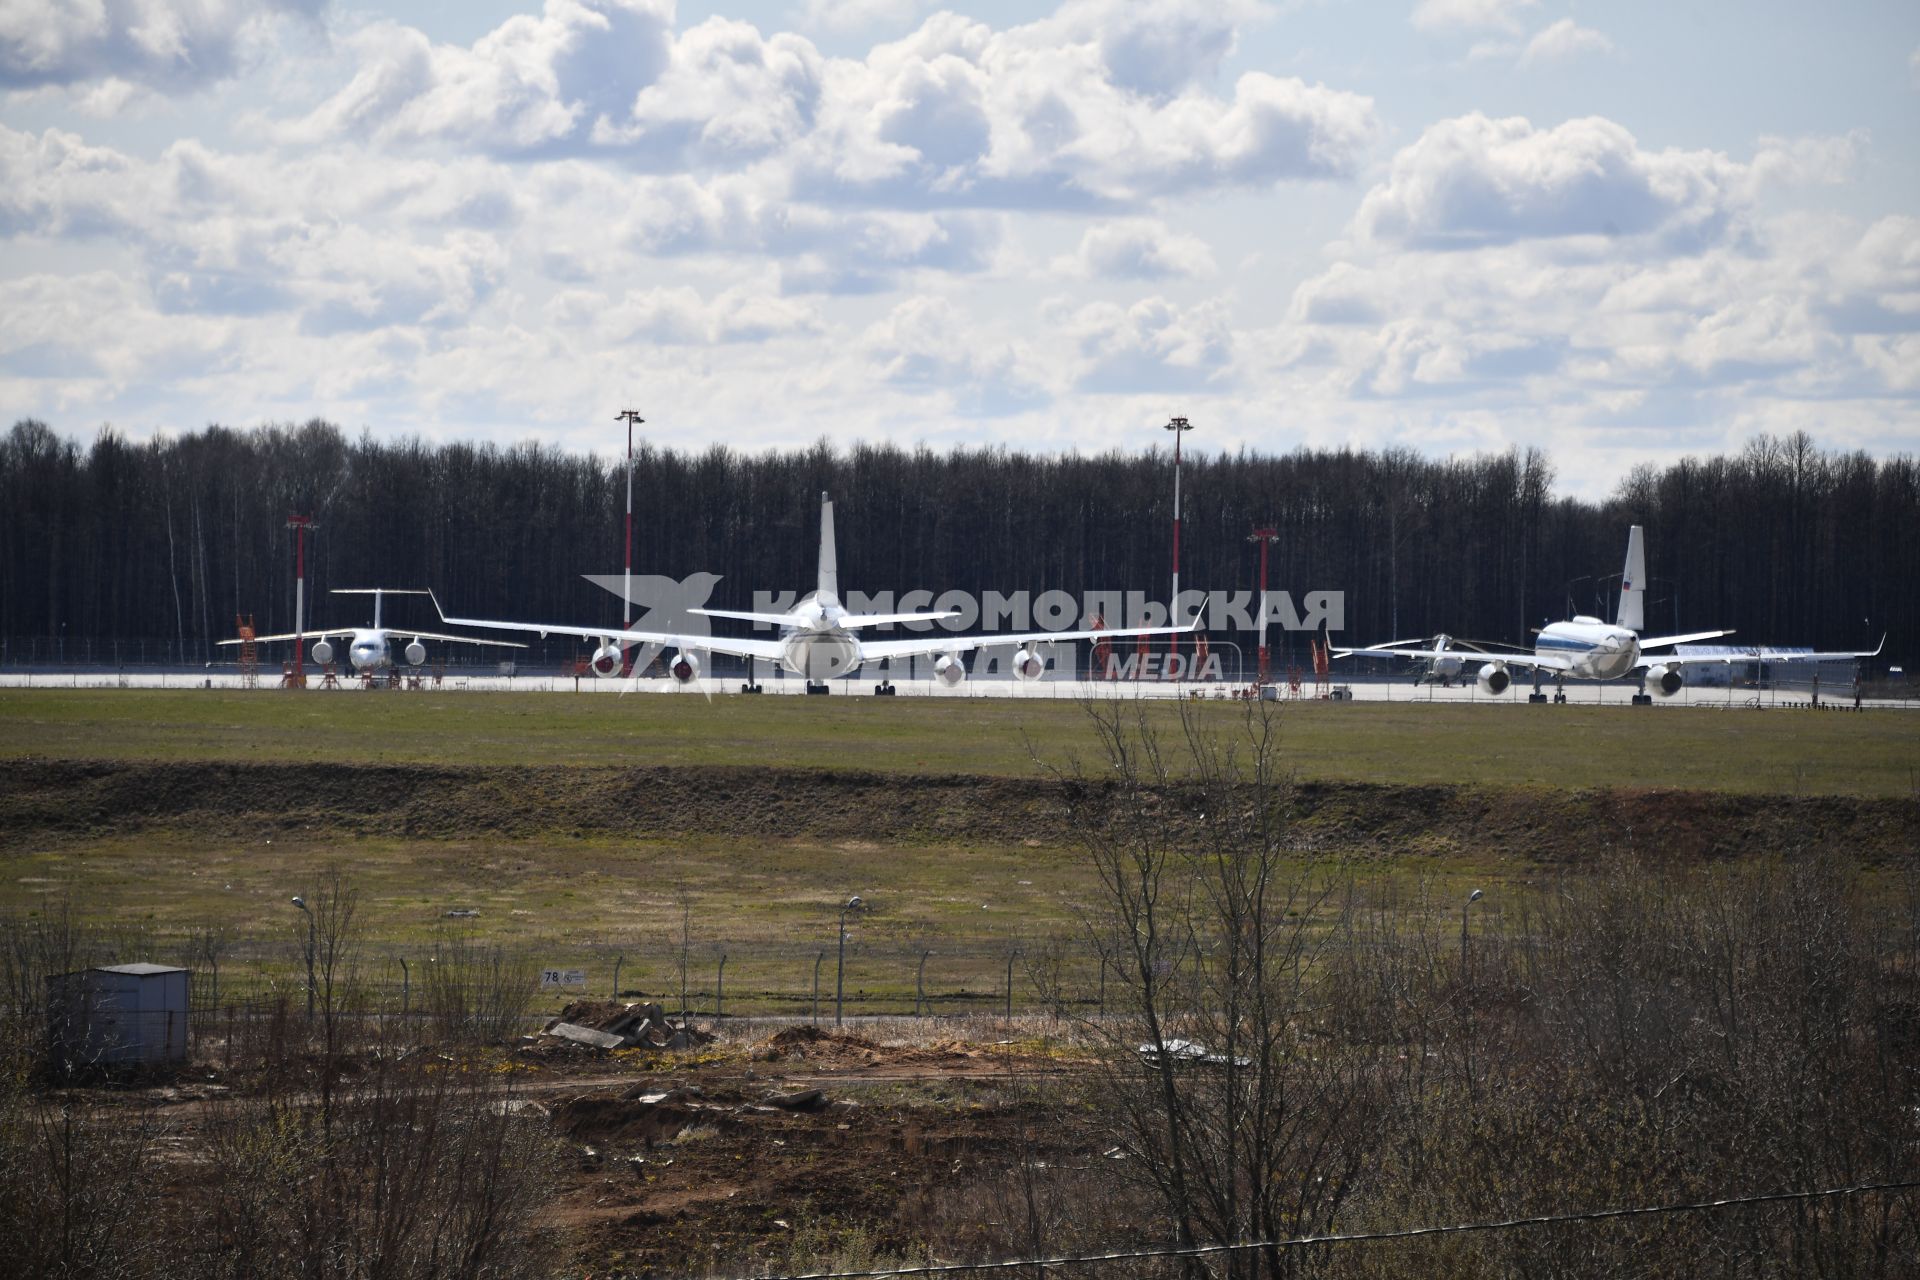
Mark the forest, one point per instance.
(151, 548)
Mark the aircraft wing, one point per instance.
(1543, 661)
(768, 649)
(1770, 655)
(881, 650)
(1655, 642)
(434, 635)
(343, 632)
(1761, 655)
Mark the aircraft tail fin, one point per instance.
(1633, 584)
(829, 583)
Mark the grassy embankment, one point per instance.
(769, 899)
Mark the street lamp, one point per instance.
(840, 965)
(1179, 427)
(301, 903)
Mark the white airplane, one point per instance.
(817, 636)
(369, 648)
(1587, 648)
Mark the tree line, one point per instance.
(166, 540)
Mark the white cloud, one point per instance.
(1455, 15)
(1475, 181)
(533, 85)
(173, 45)
(680, 316)
(1103, 102)
(1153, 346)
(1138, 249)
(926, 346)
(859, 15)
(1564, 39)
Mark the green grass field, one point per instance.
(771, 903)
(1791, 752)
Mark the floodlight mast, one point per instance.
(300, 525)
(630, 417)
(1265, 537)
(1179, 427)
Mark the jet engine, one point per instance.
(323, 651)
(1665, 679)
(606, 659)
(1028, 665)
(416, 652)
(949, 670)
(685, 667)
(1493, 679)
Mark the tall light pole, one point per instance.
(630, 417)
(840, 965)
(1179, 427)
(300, 525)
(1265, 537)
(302, 904)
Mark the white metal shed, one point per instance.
(119, 1015)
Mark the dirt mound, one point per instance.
(804, 1037)
(43, 800)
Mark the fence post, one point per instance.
(920, 983)
(406, 990)
(817, 959)
(720, 992)
(617, 961)
(1010, 958)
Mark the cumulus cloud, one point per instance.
(170, 45)
(925, 345)
(1103, 102)
(960, 114)
(534, 85)
(1492, 287)
(1564, 39)
(1138, 249)
(681, 316)
(860, 15)
(1467, 15)
(1474, 181)
(1152, 346)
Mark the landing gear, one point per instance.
(820, 689)
(1642, 698)
(884, 689)
(751, 688)
(1536, 695)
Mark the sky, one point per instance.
(1620, 232)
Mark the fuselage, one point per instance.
(369, 651)
(1598, 650)
(814, 641)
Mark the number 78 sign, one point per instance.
(551, 979)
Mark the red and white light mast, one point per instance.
(1266, 538)
(630, 417)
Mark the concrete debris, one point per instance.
(1191, 1053)
(586, 1035)
(606, 1025)
(525, 1108)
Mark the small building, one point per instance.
(118, 1015)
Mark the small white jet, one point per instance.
(1586, 648)
(818, 637)
(370, 648)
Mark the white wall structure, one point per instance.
(122, 1015)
